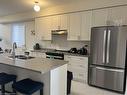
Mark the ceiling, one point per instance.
(8, 7)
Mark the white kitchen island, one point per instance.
(53, 73)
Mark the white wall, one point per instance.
(30, 39)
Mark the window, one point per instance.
(18, 34)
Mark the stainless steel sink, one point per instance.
(22, 57)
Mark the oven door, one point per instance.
(51, 55)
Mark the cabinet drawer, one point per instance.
(78, 64)
(67, 57)
(78, 71)
(37, 54)
(76, 59)
(78, 68)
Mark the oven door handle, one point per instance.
(55, 57)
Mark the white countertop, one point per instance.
(41, 65)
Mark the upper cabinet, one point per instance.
(118, 15)
(100, 17)
(109, 16)
(64, 21)
(80, 26)
(77, 24)
(86, 23)
(59, 22)
(55, 22)
(74, 26)
(43, 28)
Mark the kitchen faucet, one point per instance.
(14, 47)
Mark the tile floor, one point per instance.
(84, 89)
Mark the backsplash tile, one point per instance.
(61, 42)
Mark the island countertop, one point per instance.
(41, 65)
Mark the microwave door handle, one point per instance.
(104, 45)
(108, 46)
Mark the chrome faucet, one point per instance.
(14, 47)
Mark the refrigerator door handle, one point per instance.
(108, 46)
(107, 69)
(104, 45)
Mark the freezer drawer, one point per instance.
(112, 79)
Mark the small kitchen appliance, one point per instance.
(37, 46)
(82, 51)
(73, 50)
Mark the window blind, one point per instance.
(18, 34)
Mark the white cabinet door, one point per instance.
(64, 22)
(55, 22)
(100, 17)
(38, 30)
(118, 15)
(46, 26)
(59, 22)
(86, 23)
(74, 26)
(43, 28)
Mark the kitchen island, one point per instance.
(53, 73)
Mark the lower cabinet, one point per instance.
(78, 66)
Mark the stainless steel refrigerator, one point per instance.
(107, 61)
